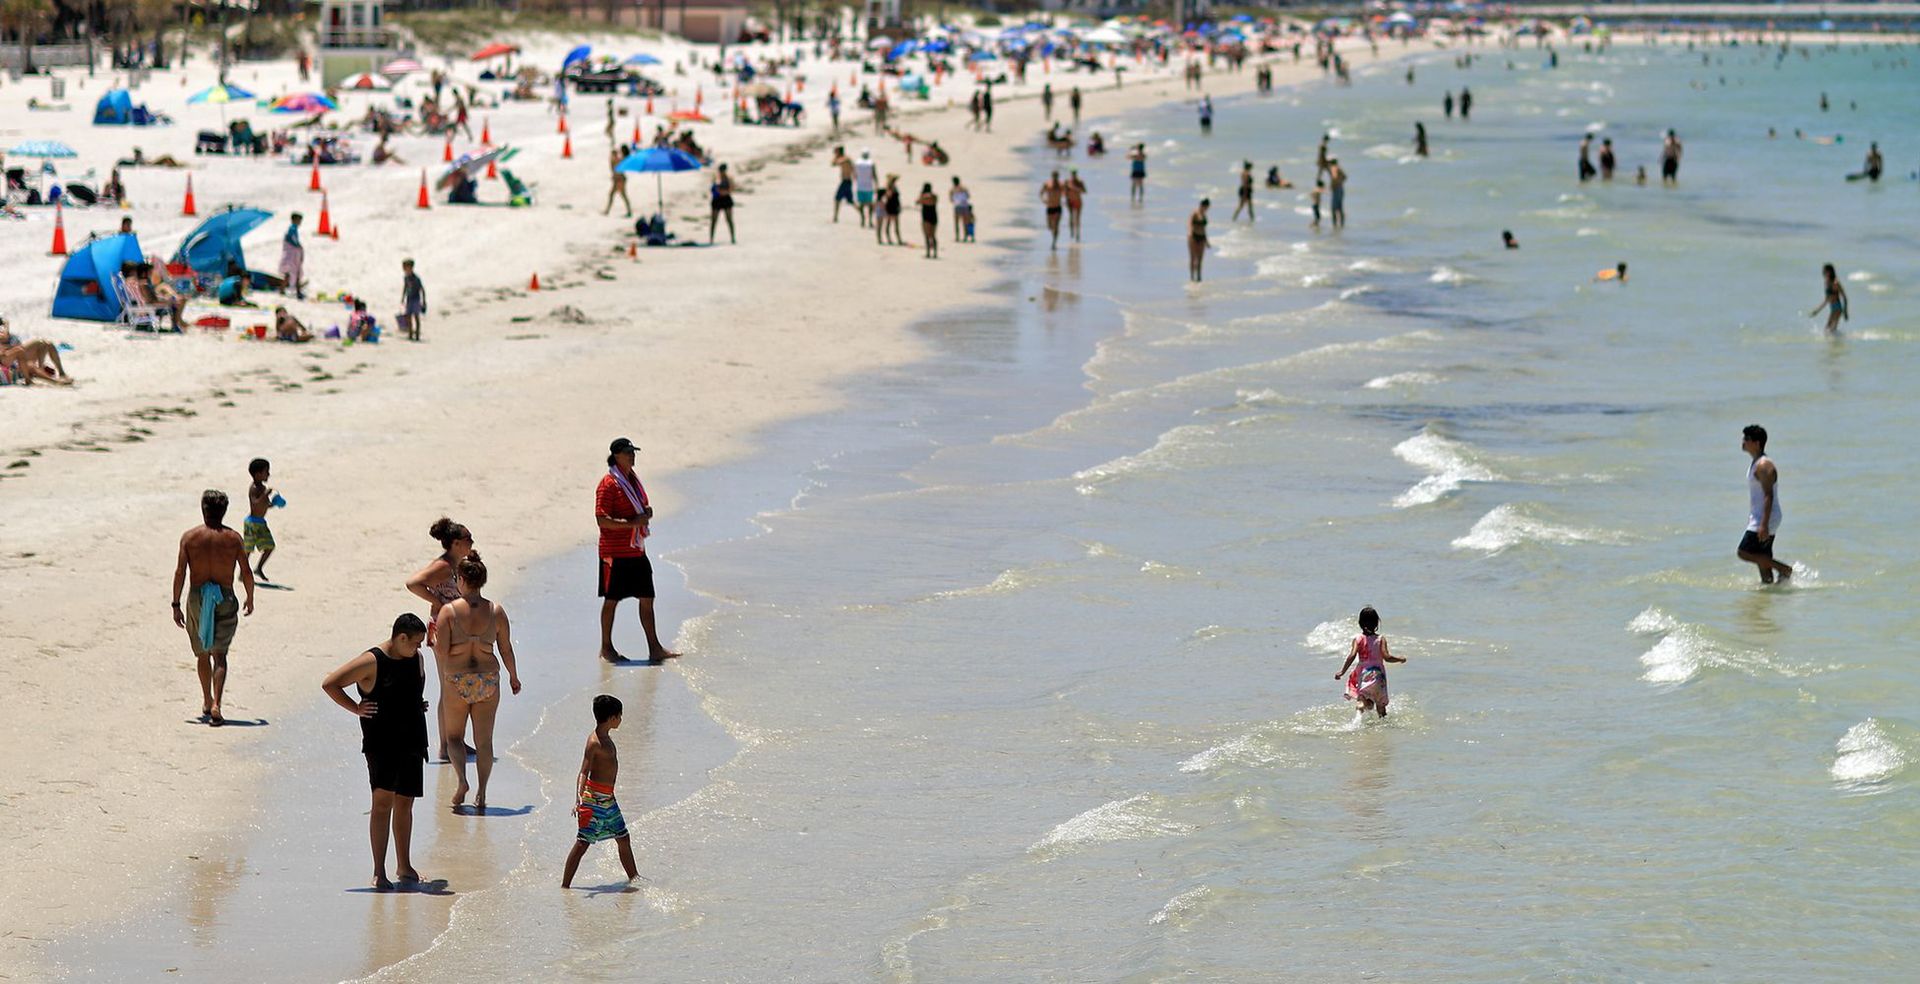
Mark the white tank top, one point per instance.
(1757, 499)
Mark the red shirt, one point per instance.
(609, 501)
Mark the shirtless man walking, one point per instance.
(210, 553)
(1052, 194)
(1763, 507)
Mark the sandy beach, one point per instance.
(497, 419)
(148, 844)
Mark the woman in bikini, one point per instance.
(436, 585)
(930, 219)
(469, 630)
(1197, 239)
(1835, 303)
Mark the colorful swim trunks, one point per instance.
(254, 535)
(599, 815)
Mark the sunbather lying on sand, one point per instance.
(28, 360)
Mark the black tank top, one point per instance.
(398, 725)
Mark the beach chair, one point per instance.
(136, 313)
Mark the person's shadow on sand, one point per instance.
(436, 887)
(201, 722)
(468, 810)
(616, 888)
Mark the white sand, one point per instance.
(500, 424)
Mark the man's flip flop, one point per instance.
(215, 720)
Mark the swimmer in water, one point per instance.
(1506, 237)
(1835, 303)
(1618, 273)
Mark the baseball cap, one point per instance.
(621, 446)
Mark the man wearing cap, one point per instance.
(620, 509)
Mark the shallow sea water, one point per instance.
(1026, 665)
(1033, 679)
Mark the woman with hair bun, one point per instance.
(469, 632)
(436, 584)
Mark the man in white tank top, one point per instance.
(1763, 507)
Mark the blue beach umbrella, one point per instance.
(43, 148)
(576, 55)
(642, 59)
(658, 161)
(217, 239)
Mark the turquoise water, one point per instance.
(1026, 666)
(1044, 691)
(1034, 678)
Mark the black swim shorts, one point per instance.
(626, 577)
(1752, 544)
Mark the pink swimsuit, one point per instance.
(1369, 677)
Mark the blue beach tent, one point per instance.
(86, 289)
(114, 109)
(215, 241)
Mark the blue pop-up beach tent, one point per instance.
(217, 239)
(114, 109)
(86, 289)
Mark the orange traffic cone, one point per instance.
(633, 251)
(649, 107)
(636, 133)
(486, 131)
(186, 207)
(534, 286)
(424, 201)
(325, 228)
(563, 123)
(566, 149)
(446, 152)
(699, 97)
(59, 233)
(336, 232)
(313, 179)
(492, 172)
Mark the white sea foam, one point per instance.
(1163, 456)
(1180, 909)
(1868, 754)
(1585, 231)
(1448, 464)
(1134, 818)
(1449, 276)
(1331, 637)
(1509, 525)
(1653, 621)
(1403, 379)
(1352, 292)
(1685, 650)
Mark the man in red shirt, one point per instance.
(621, 510)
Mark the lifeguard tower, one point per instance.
(350, 37)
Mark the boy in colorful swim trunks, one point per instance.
(597, 812)
(209, 553)
(254, 534)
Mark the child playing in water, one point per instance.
(1319, 188)
(1367, 686)
(596, 810)
(254, 534)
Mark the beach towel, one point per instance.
(637, 497)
